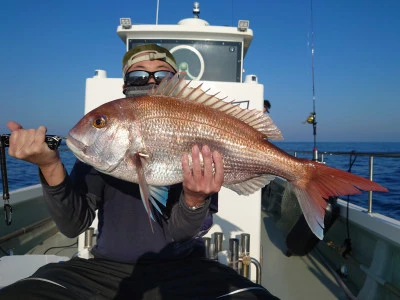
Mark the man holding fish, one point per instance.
(132, 260)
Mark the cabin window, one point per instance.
(203, 60)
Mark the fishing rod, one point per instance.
(314, 114)
(53, 141)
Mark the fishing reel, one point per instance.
(53, 141)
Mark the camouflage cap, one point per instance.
(153, 52)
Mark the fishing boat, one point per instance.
(268, 241)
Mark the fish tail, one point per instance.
(323, 182)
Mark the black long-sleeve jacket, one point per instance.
(124, 232)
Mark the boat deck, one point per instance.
(294, 277)
(58, 244)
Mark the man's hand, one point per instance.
(200, 182)
(29, 145)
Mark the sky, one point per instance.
(48, 48)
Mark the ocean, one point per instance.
(386, 170)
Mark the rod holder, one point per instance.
(89, 238)
(218, 238)
(234, 253)
(207, 243)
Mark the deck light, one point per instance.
(196, 10)
(243, 25)
(125, 23)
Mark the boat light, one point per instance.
(196, 10)
(125, 23)
(243, 25)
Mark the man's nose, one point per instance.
(151, 79)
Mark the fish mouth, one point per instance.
(74, 144)
(77, 147)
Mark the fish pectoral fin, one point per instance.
(250, 186)
(154, 195)
(159, 195)
(143, 187)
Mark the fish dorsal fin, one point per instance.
(250, 186)
(177, 87)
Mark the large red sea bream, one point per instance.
(143, 139)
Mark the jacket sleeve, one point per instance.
(71, 204)
(185, 223)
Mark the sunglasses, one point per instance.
(139, 77)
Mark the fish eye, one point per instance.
(100, 122)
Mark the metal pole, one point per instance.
(245, 252)
(234, 253)
(371, 171)
(158, 6)
(256, 264)
(258, 268)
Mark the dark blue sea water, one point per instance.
(386, 170)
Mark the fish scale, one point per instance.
(216, 136)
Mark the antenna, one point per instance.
(314, 114)
(158, 6)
